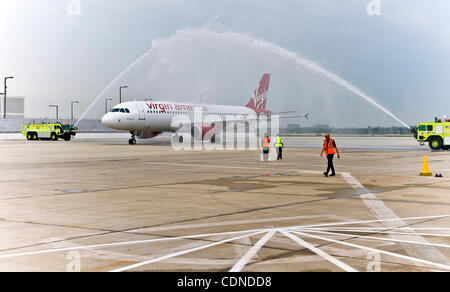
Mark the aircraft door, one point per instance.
(141, 110)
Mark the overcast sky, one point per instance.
(401, 58)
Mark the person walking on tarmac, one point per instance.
(279, 145)
(266, 148)
(330, 148)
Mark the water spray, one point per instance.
(188, 34)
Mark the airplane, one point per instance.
(145, 120)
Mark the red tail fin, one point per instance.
(259, 98)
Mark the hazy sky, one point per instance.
(401, 58)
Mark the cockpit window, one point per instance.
(121, 110)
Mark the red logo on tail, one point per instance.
(259, 98)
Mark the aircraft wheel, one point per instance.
(132, 142)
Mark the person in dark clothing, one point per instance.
(330, 148)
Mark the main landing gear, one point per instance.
(132, 141)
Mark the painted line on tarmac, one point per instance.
(320, 252)
(252, 252)
(379, 232)
(384, 228)
(381, 211)
(130, 267)
(377, 220)
(226, 223)
(377, 238)
(440, 266)
(126, 243)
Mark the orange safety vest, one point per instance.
(329, 149)
(266, 142)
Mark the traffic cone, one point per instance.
(426, 169)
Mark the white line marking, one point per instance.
(377, 220)
(320, 252)
(226, 223)
(377, 238)
(252, 252)
(126, 243)
(384, 228)
(201, 235)
(380, 231)
(381, 211)
(183, 252)
(440, 266)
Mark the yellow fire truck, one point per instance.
(437, 134)
(48, 131)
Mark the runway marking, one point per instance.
(378, 221)
(440, 266)
(381, 211)
(269, 232)
(227, 223)
(252, 252)
(320, 252)
(383, 232)
(183, 252)
(378, 238)
(384, 228)
(125, 243)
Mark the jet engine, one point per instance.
(146, 134)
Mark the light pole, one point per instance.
(57, 110)
(4, 97)
(106, 104)
(71, 108)
(120, 93)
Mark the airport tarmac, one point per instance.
(102, 205)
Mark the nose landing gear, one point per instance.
(132, 141)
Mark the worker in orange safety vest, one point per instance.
(330, 148)
(266, 147)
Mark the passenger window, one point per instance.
(430, 128)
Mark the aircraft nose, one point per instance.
(107, 120)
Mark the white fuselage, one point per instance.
(157, 116)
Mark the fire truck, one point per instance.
(437, 134)
(48, 131)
